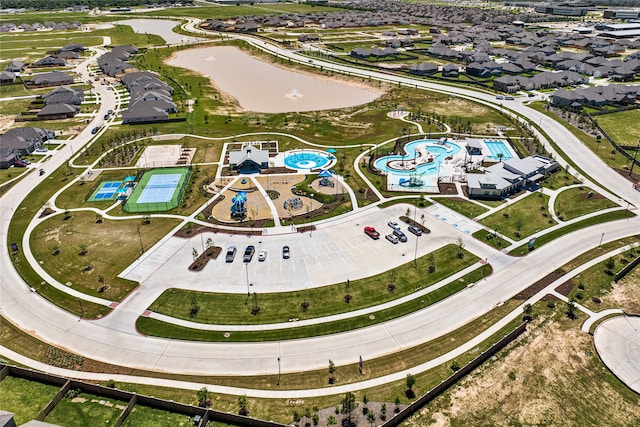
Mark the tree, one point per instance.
(348, 406)
(204, 397)
(209, 245)
(528, 310)
(331, 420)
(460, 246)
(83, 249)
(411, 381)
(243, 405)
(383, 411)
(332, 372)
(371, 417)
(315, 419)
(571, 309)
(432, 263)
(194, 253)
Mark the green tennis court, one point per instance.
(158, 190)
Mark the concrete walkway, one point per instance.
(617, 341)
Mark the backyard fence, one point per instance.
(457, 376)
(615, 145)
(65, 385)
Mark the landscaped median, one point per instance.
(156, 327)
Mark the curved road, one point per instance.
(103, 340)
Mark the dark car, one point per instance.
(95, 130)
(415, 230)
(20, 164)
(248, 253)
(231, 254)
(286, 253)
(400, 235)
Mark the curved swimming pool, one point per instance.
(303, 160)
(439, 151)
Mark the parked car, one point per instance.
(262, 255)
(415, 230)
(499, 97)
(286, 253)
(372, 232)
(509, 98)
(392, 224)
(231, 254)
(42, 150)
(392, 238)
(248, 253)
(400, 235)
(20, 164)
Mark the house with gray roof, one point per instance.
(57, 111)
(64, 95)
(16, 66)
(424, 69)
(7, 78)
(18, 142)
(50, 61)
(54, 78)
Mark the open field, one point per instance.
(550, 376)
(462, 206)
(575, 202)
(621, 126)
(521, 218)
(91, 255)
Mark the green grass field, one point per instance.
(575, 202)
(24, 398)
(464, 207)
(521, 218)
(86, 410)
(143, 416)
(621, 126)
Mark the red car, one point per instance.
(20, 164)
(371, 232)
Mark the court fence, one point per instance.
(132, 206)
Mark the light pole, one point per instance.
(634, 159)
(247, 270)
(601, 237)
(140, 238)
(81, 308)
(278, 370)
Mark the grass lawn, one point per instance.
(223, 308)
(24, 398)
(462, 206)
(143, 416)
(560, 178)
(110, 247)
(546, 238)
(86, 410)
(521, 218)
(621, 126)
(590, 286)
(575, 202)
(491, 239)
(157, 328)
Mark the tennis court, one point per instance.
(158, 190)
(106, 191)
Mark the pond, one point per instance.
(263, 87)
(161, 27)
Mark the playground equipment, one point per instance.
(239, 206)
(325, 178)
(293, 203)
(413, 181)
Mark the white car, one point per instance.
(390, 237)
(392, 224)
(42, 150)
(262, 255)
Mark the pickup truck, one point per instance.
(371, 232)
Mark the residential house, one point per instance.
(16, 66)
(19, 142)
(450, 70)
(64, 95)
(7, 78)
(50, 61)
(54, 78)
(57, 111)
(424, 69)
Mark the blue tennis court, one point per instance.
(160, 188)
(106, 191)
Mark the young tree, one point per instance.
(194, 254)
(571, 309)
(209, 245)
(411, 381)
(460, 246)
(528, 310)
(348, 406)
(331, 420)
(371, 417)
(204, 397)
(243, 405)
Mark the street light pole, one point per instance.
(278, 370)
(81, 308)
(601, 237)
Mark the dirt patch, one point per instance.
(447, 188)
(202, 260)
(626, 293)
(538, 286)
(565, 288)
(550, 376)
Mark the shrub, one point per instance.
(304, 306)
(255, 309)
(194, 310)
(455, 366)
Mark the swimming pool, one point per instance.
(496, 148)
(303, 160)
(415, 149)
